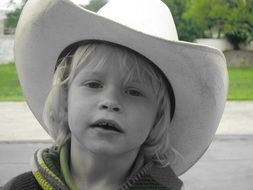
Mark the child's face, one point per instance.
(107, 115)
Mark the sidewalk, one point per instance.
(227, 164)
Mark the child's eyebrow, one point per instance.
(91, 73)
(143, 84)
(133, 80)
(138, 80)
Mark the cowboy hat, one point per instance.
(197, 73)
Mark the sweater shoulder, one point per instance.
(148, 183)
(25, 181)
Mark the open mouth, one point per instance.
(107, 125)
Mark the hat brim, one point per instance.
(197, 73)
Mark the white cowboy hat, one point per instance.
(197, 73)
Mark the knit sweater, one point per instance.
(53, 173)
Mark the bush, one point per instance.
(188, 30)
(232, 18)
(239, 26)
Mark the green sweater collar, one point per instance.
(64, 164)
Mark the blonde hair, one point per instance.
(55, 110)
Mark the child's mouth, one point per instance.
(107, 125)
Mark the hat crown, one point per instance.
(151, 17)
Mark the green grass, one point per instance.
(240, 83)
(9, 84)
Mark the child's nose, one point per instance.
(110, 106)
(110, 101)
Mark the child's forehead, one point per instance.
(106, 57)
(125, 73)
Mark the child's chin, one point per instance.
(108, 150)
(105, 148)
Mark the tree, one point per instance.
(208, 15)
(232, 18)
(95, 5)
(188, 30)
(239, 26)
(12, 16)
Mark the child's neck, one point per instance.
(95, 172)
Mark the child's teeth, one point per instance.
(104, 123)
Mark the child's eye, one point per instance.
(133, 92)
(93, 84)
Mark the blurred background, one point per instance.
(224, 24)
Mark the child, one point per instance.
(127, 109)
